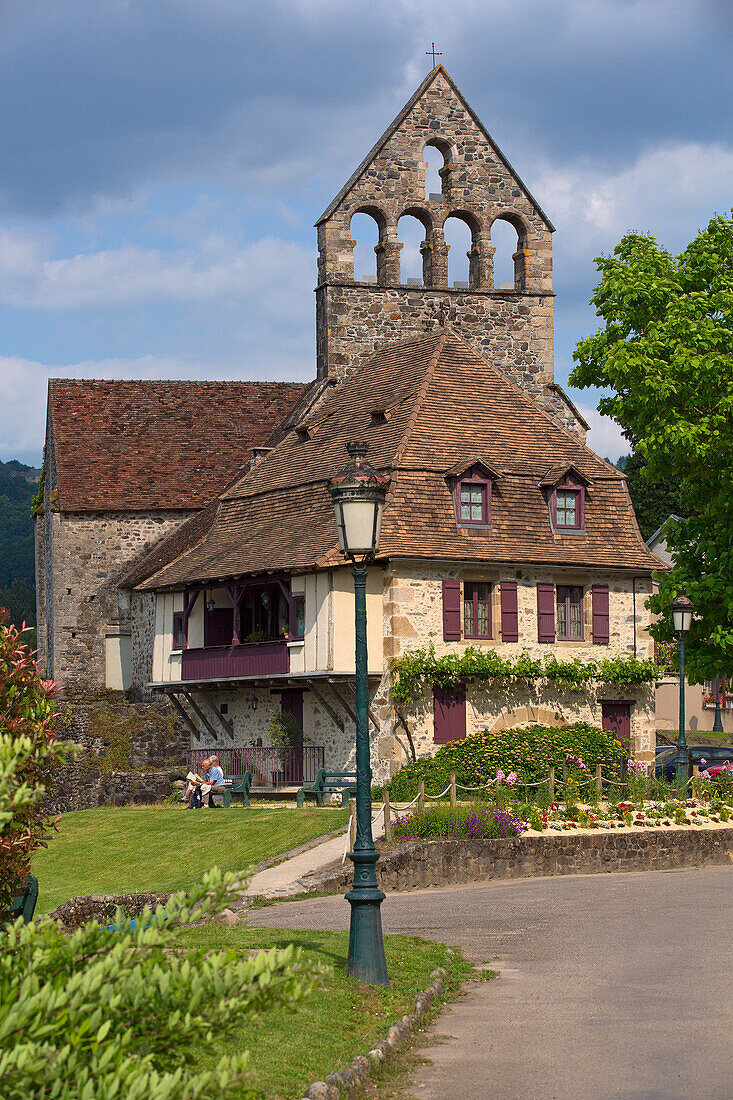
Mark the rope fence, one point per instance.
(387, 811)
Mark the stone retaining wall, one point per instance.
(131, 754)
(102, 907)
(448, 862)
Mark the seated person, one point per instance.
(214, 781)
(192, 794)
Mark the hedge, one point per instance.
(530, 751)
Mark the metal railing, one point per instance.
(271, 767)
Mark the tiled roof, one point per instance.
(132, 446)
(447, 403)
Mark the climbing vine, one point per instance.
(419, 669)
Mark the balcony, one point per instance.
(225, 661)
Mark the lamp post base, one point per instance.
(366, 947)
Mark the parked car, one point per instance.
(666, 757)
(720, 769)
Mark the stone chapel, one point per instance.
(187, 550)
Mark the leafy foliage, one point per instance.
(17, 562)
(654, 501)
(29, 750)
(666, 355)
(465, 822)
(529, 751)
(418, 669)
(102, 1014)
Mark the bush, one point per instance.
(125, 1013)
(529, 751)
(470, 822)
(30, 750)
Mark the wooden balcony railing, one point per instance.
(219, 662)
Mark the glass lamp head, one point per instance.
(682, 609)
(358, 492)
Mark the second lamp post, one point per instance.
(682, 608)
(358, 493)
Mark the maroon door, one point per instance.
(291, 702)
(617, 717)
(450, 714)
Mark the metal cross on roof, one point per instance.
(435, 53)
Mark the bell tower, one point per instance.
(511, 325)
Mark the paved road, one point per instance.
(611, 985)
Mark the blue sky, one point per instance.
(164, 161)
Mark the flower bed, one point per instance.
(469, 822)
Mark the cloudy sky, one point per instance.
(163, 162)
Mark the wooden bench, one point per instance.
(332, 781)
(23, 904)
(236, 786)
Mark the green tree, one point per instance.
(666, 354)
(654, 501)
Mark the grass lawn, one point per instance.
(342, 1018)
(136, 849)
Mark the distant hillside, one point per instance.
(18, 486)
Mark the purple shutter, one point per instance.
(545, 612)
(599, 597)
(450, 714)
(509, 612)
(451, 611)
(218, 626)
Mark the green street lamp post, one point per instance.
(718, 723)
(358, 494)
(682, 609)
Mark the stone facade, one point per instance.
(479, 187)
(413, 618)
(82, 556)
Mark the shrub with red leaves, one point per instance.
(30, 752)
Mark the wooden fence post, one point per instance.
(453, 795)
(352, 824)
(551, 785)
(421, 796)
(387, 817)
(565, 779)
(599, 780)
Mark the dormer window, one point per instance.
(567, 508)
(566, 490)
(472, 493)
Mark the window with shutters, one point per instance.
(476, 609)
(569, 616)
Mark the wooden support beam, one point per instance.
(197, 710)
(325, 704)
(373, 718)
(226, 724)
(184, 715)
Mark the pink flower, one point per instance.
(703, 760)
(500, 776)
(511, 779)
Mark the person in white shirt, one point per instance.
(214, 781)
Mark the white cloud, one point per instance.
(670, 191)
(215, 269)
(604, 436)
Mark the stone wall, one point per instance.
(478, 186)
(514, 331)
(414, 618)
(84, 556)
(421, 864)
(130, 753)
(75, 912)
